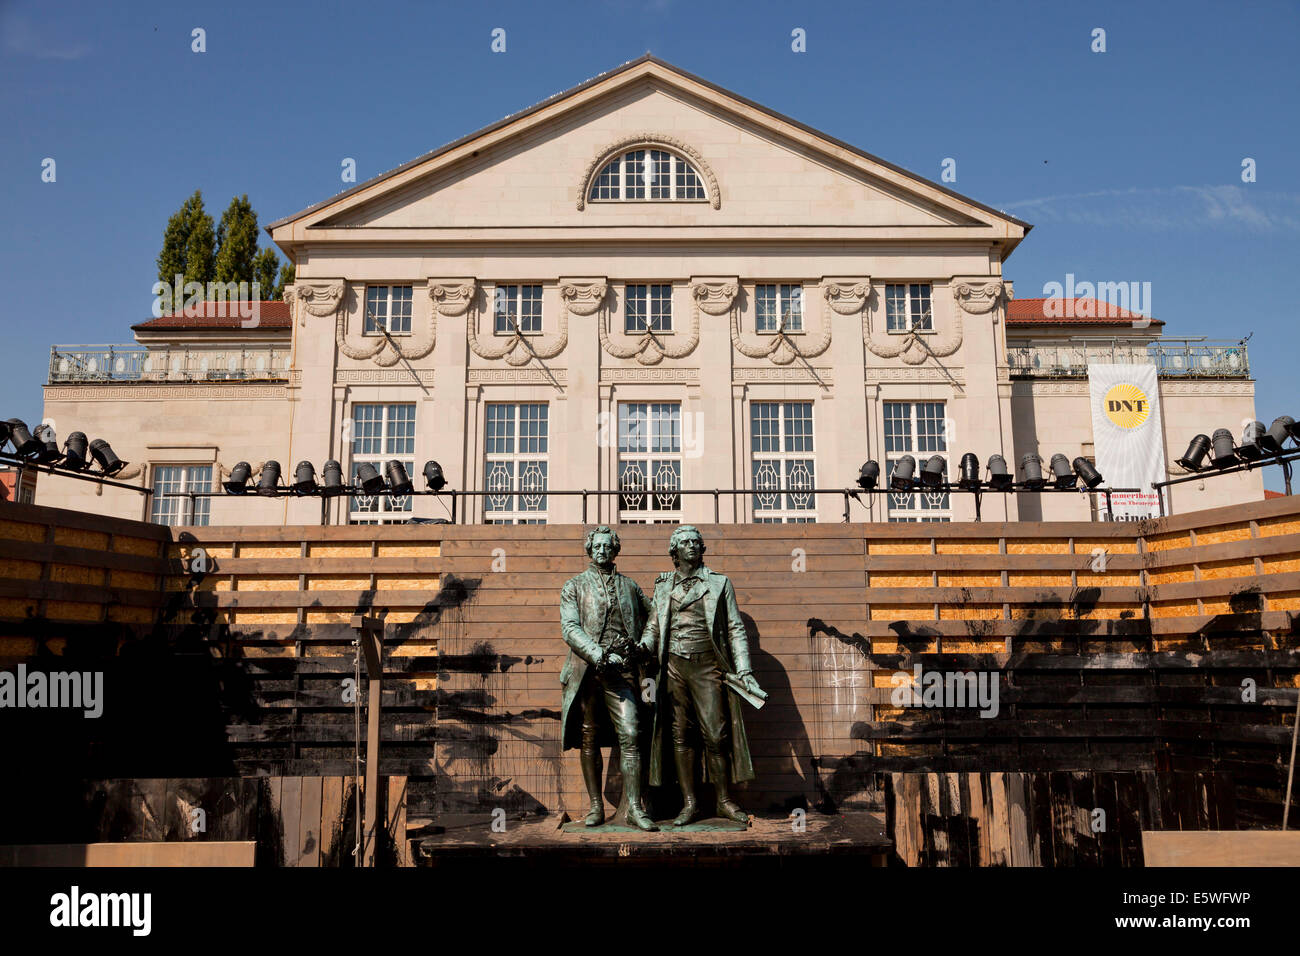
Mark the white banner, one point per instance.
(1128, 435)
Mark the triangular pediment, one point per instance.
(533, 171)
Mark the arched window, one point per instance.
(653, 175)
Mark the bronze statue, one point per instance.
(696, 634)
(602, 614)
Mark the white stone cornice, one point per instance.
(452, 296)
(978, 295)
(583, 296)
(318, 297)
(846, 296)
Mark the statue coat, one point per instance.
(730, 643)
(582, 613)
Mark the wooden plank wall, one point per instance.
(1048, 819)
(296, 821)
(1137, 666)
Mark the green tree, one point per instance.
(189, 244)
(198, 253)
(237, 242)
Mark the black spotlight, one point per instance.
(1088, 472)
(433, 476)
(1250, 447)
(304, 479)
(398, 480)
(76, 452)
(269, 483)
(1223, 456)
(24, 443)
(49, 453)
(999, 478)
(333, 486)
(1194, 458)
(1032, 466)
(970, 472)
(935, 472)
(901, 478)
(369, 478)
(868, 475)
(1062, 472)
(1271, 441)
(108, 462)
(237, 483)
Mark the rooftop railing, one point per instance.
(135, 363)
(1180, 358)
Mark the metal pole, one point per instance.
(1110, 511)
(1290, 772)
(1286, 475)
(978, 496)
(715, 505)
(846, 507)
(584, 505)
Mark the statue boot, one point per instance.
(684, 757)
(636, 815)
(727, 808)
(591, 773)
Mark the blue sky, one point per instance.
(1128, 162)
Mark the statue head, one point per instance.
(686, 543)
(602, 545)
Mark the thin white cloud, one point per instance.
(21, 38)
(1174, 207)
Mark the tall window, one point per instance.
(516, 463)
(177, 479)
(649, 462)
(779, 308)
(654, 174)
(916, 429)
(381, 433)
(388, 307)
(782, 447)
(647, 308)
(907, 307)
(518, 305)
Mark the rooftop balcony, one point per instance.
(87, 364)
(1173, 358)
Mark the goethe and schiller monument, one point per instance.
(690, 640)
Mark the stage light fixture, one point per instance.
(1223, 454)
(969, 470)
(1194, 458)
(999, 478)
(433, 476)
(1250, 446)
(268, 484)
(399, 482)
(108, 462)
(1062, 472)
(76, 451)
(24, 444)
(4, 434)
(868, 475)
(237, 483)
(901, 477)
(1087, 472)
(1271, 441)
(304, 479)
(333, 476)
(1032, 466)
(935, 472)
(49, 453)
(369, 478)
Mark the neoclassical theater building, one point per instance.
(643, 285)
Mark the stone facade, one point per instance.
(513, 207)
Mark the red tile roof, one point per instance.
(271, 315)
(1084, 311)
(1272, 494)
